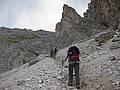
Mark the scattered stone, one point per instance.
(83, 84)
(20, 82)
(32, 78)
(27, 85)
(61, 73)
(59, 78)
(40, 75)
(39, 85)
(98, 87)
(66, 66)
(115, 38)
(54, 76)
(28, 79)
(112, 47)
(41, 81)
(112, 58)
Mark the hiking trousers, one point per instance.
(75, 67)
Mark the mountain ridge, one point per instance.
(20, 46)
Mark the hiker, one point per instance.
(55, 52)
(74, 61)
(51, 53)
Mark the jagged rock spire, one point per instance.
(73, 27)
(70, 13)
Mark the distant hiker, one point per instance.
(51, 53)
(55, 52)
(74, 61)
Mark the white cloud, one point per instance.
(79, 5)
(41, 14)
(45, 16)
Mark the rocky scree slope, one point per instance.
(100, 65)
(99, 70)
(19, 46)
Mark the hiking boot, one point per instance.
(78, 86)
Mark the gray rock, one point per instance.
(74, 28)
(20, 46)
(112, 58)
(39, 85)
(40, 82)
(20, 82)
(104, 37)
(104, 12)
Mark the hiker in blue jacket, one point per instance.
(74, 61)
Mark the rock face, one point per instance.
(19, 46)
(74, 28)
(100, 14)
(104, 37)
(106, 12)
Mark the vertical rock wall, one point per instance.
(106, 12)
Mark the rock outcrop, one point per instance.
(106, 12)
(100, 14)
(74, 28)
(19, 46)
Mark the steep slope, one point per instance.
(45, 75)
(100, 65)
(99, 70)
(19, 46)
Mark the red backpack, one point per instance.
(74, 53)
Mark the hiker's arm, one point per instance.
(66, 58)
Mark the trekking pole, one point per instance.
(62, 62)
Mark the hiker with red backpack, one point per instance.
(74, 61)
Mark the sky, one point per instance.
(36, 14)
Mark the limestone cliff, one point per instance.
(106, 12)
(74, 28)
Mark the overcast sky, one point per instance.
(36, 14)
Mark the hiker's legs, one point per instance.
(54, 55)
(51, 55)
(70, 74)
(77, 74)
